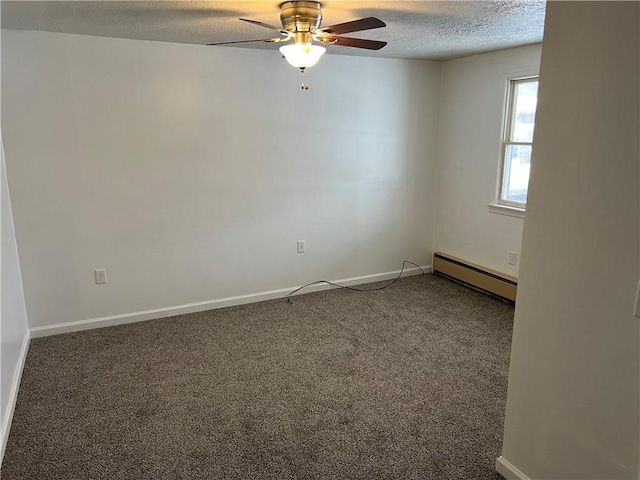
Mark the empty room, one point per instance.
(302, 240)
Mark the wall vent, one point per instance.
(476, 276)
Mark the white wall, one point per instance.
(472, 107)
(574, 394)
(190, 172)
(14, 335)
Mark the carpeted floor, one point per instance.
(404, 383)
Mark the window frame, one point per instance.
(500, 205)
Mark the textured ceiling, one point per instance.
(433, 30)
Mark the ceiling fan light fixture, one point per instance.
(302, 55)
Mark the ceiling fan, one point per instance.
(301, 23)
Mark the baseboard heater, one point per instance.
(476, 276)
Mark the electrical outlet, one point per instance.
(300, 246)
(513, 258)
(636, 310)
(100, 276)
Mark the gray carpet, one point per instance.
(404, 383)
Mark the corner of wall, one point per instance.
(14, 329)
(436, 194)
(7, 416)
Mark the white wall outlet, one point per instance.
(300, 246)
(636, 310)
(100, 276)
(513, 258)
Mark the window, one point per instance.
(518, 142)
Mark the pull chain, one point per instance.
(305, 85)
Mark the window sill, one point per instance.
(506, 210)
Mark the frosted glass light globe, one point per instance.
(302, 55)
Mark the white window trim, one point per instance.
(497, 205)
(506, 210)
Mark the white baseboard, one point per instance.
(13, 395)
(508, 470)
(110, 321)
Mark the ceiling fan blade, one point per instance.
(353, 42)
(266, 25)
(353, 26)
(268, 40)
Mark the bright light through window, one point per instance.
(518, 142)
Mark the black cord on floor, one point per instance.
(355, 289)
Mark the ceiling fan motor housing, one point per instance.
(301, 16)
